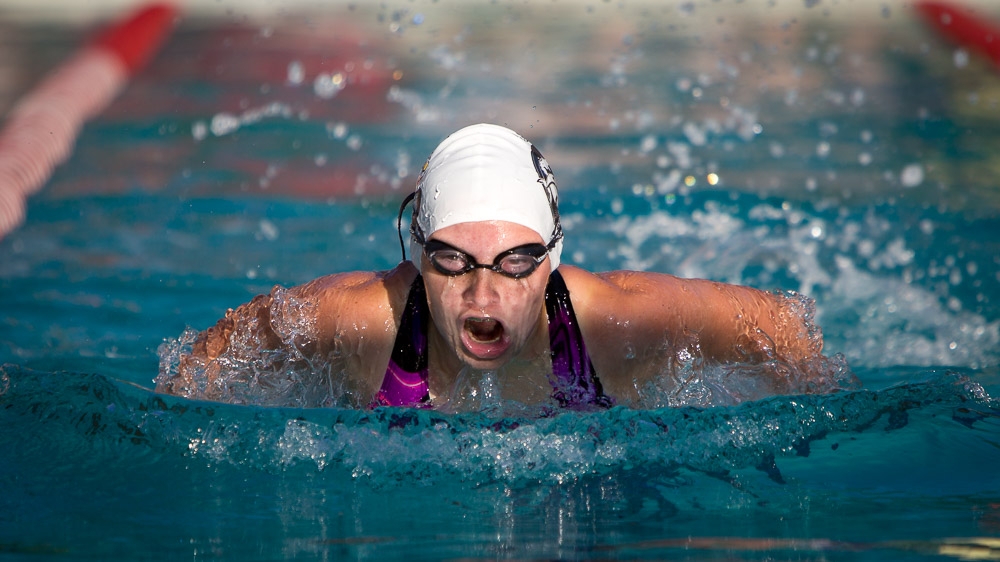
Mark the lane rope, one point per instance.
(41, 129)
(963, 26)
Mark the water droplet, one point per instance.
(223, 124)
(337, 130)
(327, 86)
(199, 130)
(823, 149)
(912, 175)
(961, 58)
(296, 73)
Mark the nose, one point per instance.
(481, 290)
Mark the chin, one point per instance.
(485, 364)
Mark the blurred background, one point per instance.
(810, 82)
(843, 149)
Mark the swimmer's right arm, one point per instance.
(349, 314)
(215, 341)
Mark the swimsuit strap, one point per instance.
(573, 379)
(405, 382)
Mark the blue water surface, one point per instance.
(782, 150)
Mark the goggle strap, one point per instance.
(399, 222)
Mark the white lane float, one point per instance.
(39, 132)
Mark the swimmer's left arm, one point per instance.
(652, 315)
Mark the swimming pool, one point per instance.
(779, 147)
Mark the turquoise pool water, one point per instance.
(779, 149)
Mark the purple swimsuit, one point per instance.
(573, 380)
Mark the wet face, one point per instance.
(484, 318)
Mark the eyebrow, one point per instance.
(456, 248)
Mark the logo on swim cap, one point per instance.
(548, 181)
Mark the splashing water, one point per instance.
(387, 446)
(253, 369)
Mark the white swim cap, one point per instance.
(485, 173)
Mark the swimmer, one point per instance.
(484, 291)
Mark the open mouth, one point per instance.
(484, 339)
(484, 330)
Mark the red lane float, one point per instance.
(964, 27)
(41, 128)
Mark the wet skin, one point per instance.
(483, 319)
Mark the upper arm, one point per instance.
(355, 317)
(339, 325)
(645, 319)
(361, 308)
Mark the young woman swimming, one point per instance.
(485, 293)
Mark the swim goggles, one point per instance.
(516, 263)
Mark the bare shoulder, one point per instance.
(358, 299)
(620, 280)
(626, 291)
(355, 316)
(695, 302)
(613, 303)
(625, 317)
(361, 284)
